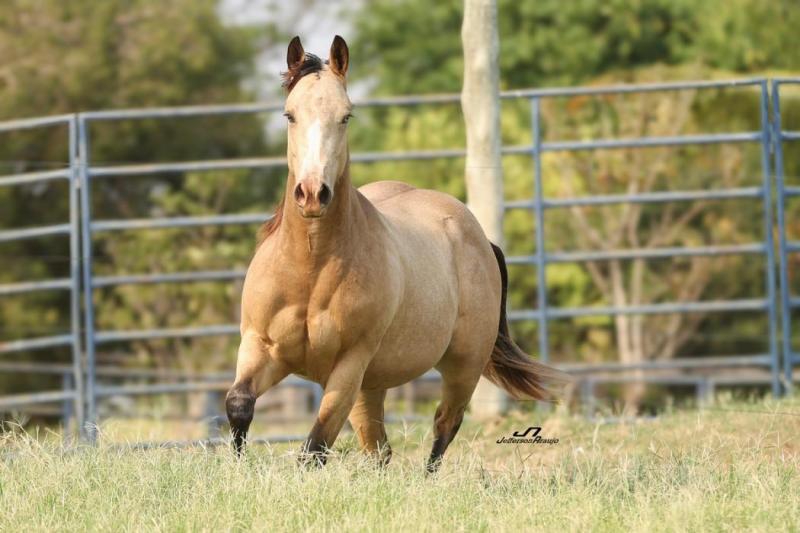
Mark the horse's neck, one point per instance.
(316, 239)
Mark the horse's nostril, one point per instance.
(299, 194)
(325, 195)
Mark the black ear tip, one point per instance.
(295, 41)
(339, 40)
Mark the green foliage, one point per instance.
(542, 43)
(748, 35)
(70, 56)
(551, 42)
(64, 57)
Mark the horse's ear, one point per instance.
(339, 56)
(295, 53)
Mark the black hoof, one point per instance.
(433, 465)
(313, 454)
(312, 461)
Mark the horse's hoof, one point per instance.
(312, 460)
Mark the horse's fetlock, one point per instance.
(240, 406)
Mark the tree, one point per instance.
(64, 57)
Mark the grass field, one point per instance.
(734, 466)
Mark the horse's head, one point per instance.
(317, 109)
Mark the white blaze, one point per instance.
(312, 160)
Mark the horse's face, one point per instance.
(317, 109)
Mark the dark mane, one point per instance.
(269, 227)
(309, 65)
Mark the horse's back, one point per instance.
(412, 209)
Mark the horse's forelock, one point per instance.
(309, 65)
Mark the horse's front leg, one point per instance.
(256, 372)
(338, 399)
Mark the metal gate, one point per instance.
(540, 205)
(785, 247)
(72, 393)
(82, 226)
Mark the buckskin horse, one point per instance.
(365, 289)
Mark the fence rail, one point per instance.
(82, 228)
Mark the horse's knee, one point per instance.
(240, 406)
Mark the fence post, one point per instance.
(212, 415)
(295, 402)
(538, 204)
(68, 407)
(766, 185)
(783, 272)
(483, 170)
(75, 277)
(703, 392)
(90, 427)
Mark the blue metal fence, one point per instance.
(539, 204)
(83, 174)
(785, 247)
(71, 392)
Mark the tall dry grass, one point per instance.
(732, 467)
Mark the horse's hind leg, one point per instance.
(256, 372)
(458, 384)
(366, 417)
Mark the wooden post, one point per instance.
(480, 102)
(295, 403)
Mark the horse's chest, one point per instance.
(306, 340)
(323, 338)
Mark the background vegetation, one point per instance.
(71, 56)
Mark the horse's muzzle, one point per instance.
(312, 197)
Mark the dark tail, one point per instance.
(510, 367)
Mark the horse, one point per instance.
(361, 290)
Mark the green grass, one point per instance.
(733, 467)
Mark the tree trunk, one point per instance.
(480, 102)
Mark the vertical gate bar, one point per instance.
(90, 430)
(67, 406)
(212, 416)
(766, 184)
(541, 268)
(783, 272)
(75, 277)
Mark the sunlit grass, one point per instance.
(732, 467)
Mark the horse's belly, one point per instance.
(416, 340)
(400, 363)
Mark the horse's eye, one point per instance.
(289, 117)
(347, 118)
